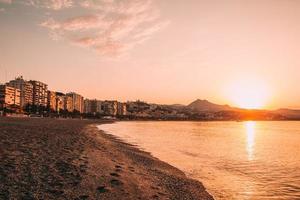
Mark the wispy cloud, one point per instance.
(80, 23)
(112, 28)
(109, 27)
(6, 1)
(50, 4)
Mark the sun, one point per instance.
(251, 94)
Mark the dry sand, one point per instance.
(72, 159)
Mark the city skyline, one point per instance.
(32, 98)
(216, 51)
(69, 93)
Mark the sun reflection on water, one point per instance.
(250, 131)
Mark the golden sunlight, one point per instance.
(249, 94)
(250, 132)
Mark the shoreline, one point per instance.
(174, 180)
(73, 159)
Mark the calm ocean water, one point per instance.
(234, 160)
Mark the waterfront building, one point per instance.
(60, 101)
(110, 108)
(93, 106)
(40, 93)
(137, 106)
(26, 90)
(87, 106)
(51, 103)
(77, 101)
(9, 97)
(96, 106)
(121, 109)
(68, 103)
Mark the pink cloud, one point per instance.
(82, 23)
(112, 29)
(51, 4)
(6, 1)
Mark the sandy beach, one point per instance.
(72, 159)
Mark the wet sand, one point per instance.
(72, 159)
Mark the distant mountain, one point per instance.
(289, 113)
(204, 106)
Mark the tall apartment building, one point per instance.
(121, 109)
(68, 101)
(87, 106)
(9, 97)
(51, 102)
(60, 101)
(40, 93)
(110, 108)
(93, 106)
(77, 101)
(26, 90)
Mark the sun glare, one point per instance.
(250, 139)
(249, 95)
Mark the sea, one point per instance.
(233, 160)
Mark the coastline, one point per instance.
(73, 159)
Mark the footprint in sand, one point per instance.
(131, 169)
(115, 182)
(154, 188)
(83, 197)
(118, 167)
(115, 174)
(162, 194)
(102, 189)
(83, 167)
(118, 170)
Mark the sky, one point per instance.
(242, 53)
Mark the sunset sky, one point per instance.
(162, 51)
